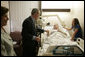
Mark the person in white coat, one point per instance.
(6, 41)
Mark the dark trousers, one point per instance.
(27, 51)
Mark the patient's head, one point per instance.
(55, 26)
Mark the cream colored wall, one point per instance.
(6, 4)
(77, 10)
(19, 11)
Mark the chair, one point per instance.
(16, 36)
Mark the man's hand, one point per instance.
(37, 39)
(47, 32)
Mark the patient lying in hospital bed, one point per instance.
(54, 29)
(56, 36)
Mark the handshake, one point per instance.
(47, 32)
(38, 38)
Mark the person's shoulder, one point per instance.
(28, 19)
(77, 26)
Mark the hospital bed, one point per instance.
(55, 39)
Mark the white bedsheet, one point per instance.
(56, 38)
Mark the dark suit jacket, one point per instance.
(28, 31)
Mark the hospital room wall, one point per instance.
(79, 13)
(19, 11)
(76, 11)
(6, 4)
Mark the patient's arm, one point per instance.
(47, 32)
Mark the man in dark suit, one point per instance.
(30, 39)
